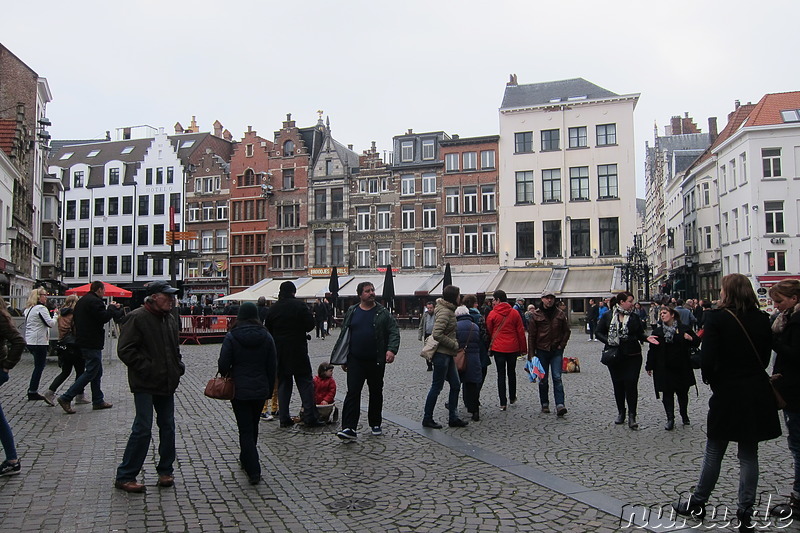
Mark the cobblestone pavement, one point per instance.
(517, 470)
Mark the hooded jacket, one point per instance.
(510, 338)
(248, 355)
(37, 325)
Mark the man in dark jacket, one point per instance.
(374, 341)
(289, 320)
(548, 333)
(149, 347)
(592, 315)
(321, 317)
(91, 314)
(263, 310)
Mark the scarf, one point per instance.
(779, 324)
(669, 331)
(618, 328)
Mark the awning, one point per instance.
(469, 282)
(409, 284)
(348, 289)
(769, 281)
(312, 288)
(527, 283)
(588, 282)
(249, 294)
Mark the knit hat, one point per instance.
(247, 311)
(287, 289)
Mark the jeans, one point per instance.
(92, 375)
(748, 472)
(444, 368)
(358, 372)
(552, 364)
(792, 419)
(141, 433)
(625, 378)
(248, 413)
(506, 363)
(305, 386)
(6, 437)
(39, 352)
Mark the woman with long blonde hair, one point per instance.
(37, 336)
(69, 354)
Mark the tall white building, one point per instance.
(567, 188)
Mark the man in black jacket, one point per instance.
(289, 320)
(148, 345)
(90, 316)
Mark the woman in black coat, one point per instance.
(248, 355)
(737, 345)
(469, 336)
(623, 328)
(669, 364)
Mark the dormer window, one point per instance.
(288, 148)
(93, 153)
(127, 150)
(187, 144)
(66, 156)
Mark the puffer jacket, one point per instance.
(248, 354)
(37, 325)
(510, 338)
(444, 327)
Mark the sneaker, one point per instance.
(376, 430)
(561, 411)
(80, 399)
(267, 417)
(65, 405)
(502, 407)
(10, 469)
(546, 409)
(50, 398)
(347, 434)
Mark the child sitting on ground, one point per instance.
(325, 391)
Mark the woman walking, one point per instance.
(444, 365)
(9, 356)
(621, 328)
(248, 355)
(69, 354)
(469, 337)
(786, 376)
(508, 341)
(37, 336)
(669, 365)
(736, 349)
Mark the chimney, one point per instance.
(249, 129)
(349, 146)
(512, 80)
(712, 129)
(178, 127)
(373, 147)
(288, 123)
(736, 104)
(228, 136)
(455, 137)
(193, 125)
(217, 128)
(675, 125)
(410, 131)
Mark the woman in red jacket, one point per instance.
(507, 335)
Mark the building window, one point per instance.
(471, 239)
(470, 160)
(77, 179)
(580, 243)
(113, 206)
(113, 176)
(171, 175)
(127, 234)
(776, 261)
(160, 176)
(470, 199)
(487, 159)
(409, 255)
(143, 236)
(99, 236)
(489, 238)
(362, 219)
(551, 140)
(248, 150)
(428, 183)
(69, 238)
(606, 134)
(384, 184)
(99, 206)
(773, 212)
(69, 267)
(428, 149)
(743, 164)
(552, 238)
(320, 247)
(222, 240)
(732, 165)
(141, 265)
(609, 236)
(288, 148)
(451, 200)
(523, 142)
(84, 209)
(158, 234)
(83, 238)
(771, 160)
(125, 264)
(222, 210)
(409, 221)
(524, 186)
(452, 237)
(144, 205)
(428, 255)
(428, 217)
(551, 185)
(288, 256)
(362, 256)
(579, 183)
(488, 198)
(113, 235)
(407, 185)
(127, 205)
(320, 204)
(383, 217)
(288, 178)
(148, 176)
(525, 240)
(111, 264)
(206, 240)
(71, 209)
(407, 151)
(735, 223)
(607, 181)
(451, 163)
(193, 212)
(97, 265)
(158, 267)
(328, 167)
(707, 235)
(706, 194)
(578, 137)
(83, 267)
(384, 256)
(158, 205)
(248, 179)
(337, 203)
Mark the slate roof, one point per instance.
(768, 110)
(109, 151)
(544, 93)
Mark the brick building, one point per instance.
(372, 197)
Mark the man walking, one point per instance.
(288, 321)
(320, 318)
(149, 347)
(548, 333)
(426, 327)
(374, 342)
(592, 315)
(90, 315)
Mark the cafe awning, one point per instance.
(523, 283)
(588, 282)
(470, 282)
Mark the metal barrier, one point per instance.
(199, 327)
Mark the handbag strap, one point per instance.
(752, 345)
(497, 331)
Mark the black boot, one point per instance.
(632, 423)
(476, 416)
(620, 418)
(670, 425)
(685, 419)
(745, 520)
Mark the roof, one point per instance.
(768, 110)
(8, 133)
(735, 119)
(552, 91)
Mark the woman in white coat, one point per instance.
(37, 336)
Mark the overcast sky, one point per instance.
(378, 68)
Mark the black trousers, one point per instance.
(668, 399)
(305, 386)
(360, 371)
(625, 378)
(248, 414)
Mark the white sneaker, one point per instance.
(49, 397)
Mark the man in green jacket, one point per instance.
(374, 342)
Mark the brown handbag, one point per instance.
(220, 388)
(461, 355)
